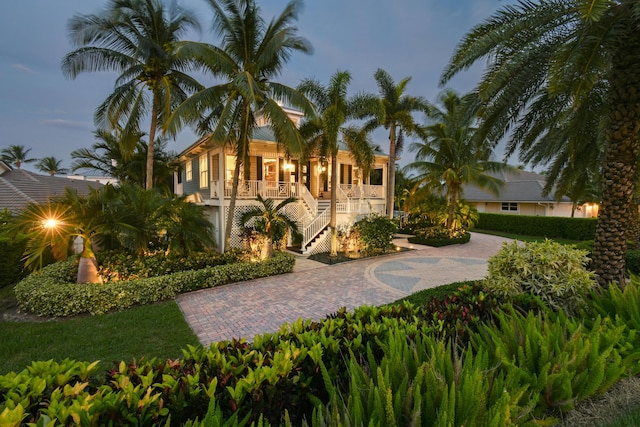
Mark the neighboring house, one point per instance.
(522, 195)
(19, 187)
(206, 171)
(104, 180)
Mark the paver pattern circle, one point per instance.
(315, 290)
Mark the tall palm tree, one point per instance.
(271, 220)
(16, 155)
(51, 165)
(324, 131)
(393, 109)
(138, 39)
(251, 54)
(449, 156)
(558, 54)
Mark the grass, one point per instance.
(150, 331)
(524, 238)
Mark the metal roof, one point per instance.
(519, 186)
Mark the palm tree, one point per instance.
(16, 155)
(106, 157)
(558, 54)
(324, 130)
(57, 223)
(51, 165)
(449, 156)
(393, 110)
(270, 220)
(138, 39)
(250, 55)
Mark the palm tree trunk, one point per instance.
(87, 266)
(452, 209)
(621, 160)
(391, 178)
(150, 148)
(232, 204)
(334, 206)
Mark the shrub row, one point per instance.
(49, 293)
(547, 226)
(439, 240)
(375, 366)
(119, 265)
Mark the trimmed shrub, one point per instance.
(375, 233)
(119, 265)
(553, 272)
(547, 226)
(439, 236)
(51, 293)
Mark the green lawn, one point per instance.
(157, 330)
(524, 238)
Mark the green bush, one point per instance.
(439, 236)
(376, 233)
(553, 272)
(547, 226)
(121, 265)
(51, 293)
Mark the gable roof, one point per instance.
(19, 187)
(519, 186)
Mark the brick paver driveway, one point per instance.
(314, 290)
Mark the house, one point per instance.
(206, 171)
(19, 187)
(522, 195)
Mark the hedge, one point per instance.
(435, 242)
(44, 293)
(546, 226)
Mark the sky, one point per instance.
(51, 115)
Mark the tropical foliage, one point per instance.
(271, 221)
(109, 156)
(138, 39)
(16, 155)
(328, 128)
(51, 165)
(392, 109)
(450, 156)
(247, 66)
(559, 70)
(125, 217)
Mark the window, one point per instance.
(204, 171)
(376, 177)
(509, 207)
(188, 170)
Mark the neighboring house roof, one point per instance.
(19, 187)
(519, 186)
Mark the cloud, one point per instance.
(67, 124)
(24, 68)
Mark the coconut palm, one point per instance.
(270, 220)
(250, 55)
(51, 165)
(325, 130)
(106, 157)
(393, 109)
(16, 155)
(138, 39)
(449, 156)
(550, 56)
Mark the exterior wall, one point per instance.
(537, 209)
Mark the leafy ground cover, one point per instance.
(326, 258)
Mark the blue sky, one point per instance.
(53, 116)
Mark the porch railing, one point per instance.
(353, 191)
(310, 201)
(267, 189)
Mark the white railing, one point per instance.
(353, 191)
(360, 207)
(316, 226)
(311, 202)
(267, 189)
